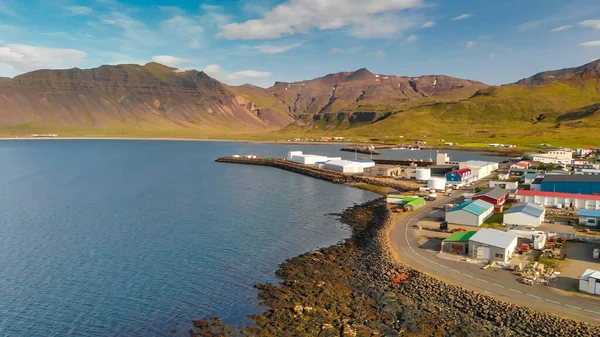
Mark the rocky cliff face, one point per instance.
(364, 91)
(150, 96)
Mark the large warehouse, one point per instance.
(479, 168)
(308, 159)
(580, 184)
(554, 199)
(470, 213)
(527, 214)
(491, 244)
(347, 166)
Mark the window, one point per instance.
(591, 221)
(500, 256)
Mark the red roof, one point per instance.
(559, 195)
(462, 172)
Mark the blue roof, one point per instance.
(530, 175)
(589, 212)
(476, 207)
(528, 208)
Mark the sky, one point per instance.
(263, 41)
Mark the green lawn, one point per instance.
(494, 221)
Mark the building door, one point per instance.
(483, 252)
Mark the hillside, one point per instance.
(130, 98)
(362, 96)
(586, 71)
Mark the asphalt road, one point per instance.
(495, 282)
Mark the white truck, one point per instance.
(596, 253)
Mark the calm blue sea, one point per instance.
(138, 238)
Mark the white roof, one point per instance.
(309, 156)
(479, 163)
(341, 162)
(590, 273)
(494, 238)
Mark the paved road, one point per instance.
(493, 281)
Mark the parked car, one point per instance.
(571, 222)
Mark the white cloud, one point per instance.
(428, 24)
(79, 10)
(23, 58)
(184, 27)
(412, 38)
(561, 28)
(300, 16)
(239, 77)
(270, 49)
(461, 17)
(335, 50)
(470, 44)
(590, 44)
(595, 24)
(134, 31)
(169, 60)
(215, 15)
(379, 26)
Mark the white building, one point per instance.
(470, 213)
(556, 199)
(347, 166)
(559, 157)
(590, 282)
(527, 214)
(308, 159)
(584, 152)
(491, 244)
(479, 168)
(441, 158)
(505, 184)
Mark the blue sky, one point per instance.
(262, 41)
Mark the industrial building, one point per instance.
(558, 157)
(470, 213)
(505, 184)
(590, 282)
(555, 199)
(589, 217)
(527, 214)
(495, 196)
(460, 176)
(479, 169)
(457, 243)
(308, 159)
(583, 184)
(491, 244)
(437, 183)
(347, 166)
(408, 203)
(383, 171)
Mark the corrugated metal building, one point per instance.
(457, 243)
(553, 199)
(580, 184)
(589, 217)
(495, 196)
(491, 244)
(383, 171)
(479, 168)
(346, 166)
(470, 213)
(590, 282)
(527, 214)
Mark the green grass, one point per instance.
(494, 221)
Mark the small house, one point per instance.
(470, 213)
(505, 184)
(492, 244)
(590, 282)
(526, 214)
(495, 196)
(413, 204)
(528, 178)
(460, 176)
(457, 243)
(589, 217)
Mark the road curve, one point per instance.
(493, 282)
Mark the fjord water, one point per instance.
(132, 238)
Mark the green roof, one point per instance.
(460, 236)
(413, 201)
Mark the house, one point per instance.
(584, 152)
(383, 171)
(536, 185)
(527, 214)
(528, 178)
(308, 159)
(491, 244)
(408, 203)
(589, 217)
(584, 184)
(470, 213)
(460, 176)
(579, 162)
(505, 184)
(590, 282)
(457, 243)
(495, 196)
(521, 165)
(479, 169)
(347, 166)
(556, 199)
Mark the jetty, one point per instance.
(361, 149)
(319, 173)
(404, 162)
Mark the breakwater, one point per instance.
(403, 162)
(328, 175)
(362, 150)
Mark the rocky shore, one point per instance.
(349, 290)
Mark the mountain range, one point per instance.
(156, 99)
